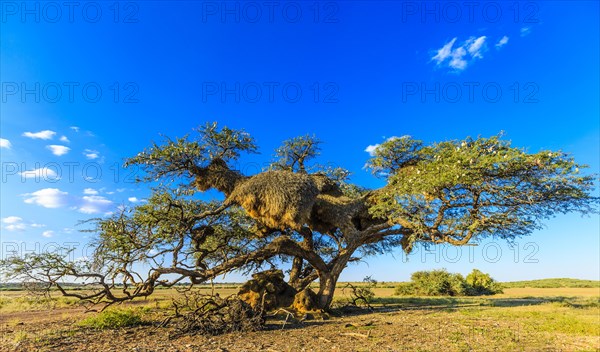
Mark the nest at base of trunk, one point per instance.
(268, 288)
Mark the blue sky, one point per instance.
(86, 86)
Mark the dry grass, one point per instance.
(524, 319)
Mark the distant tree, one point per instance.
(452, 192)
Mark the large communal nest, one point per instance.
(287, 200)
(278, 199)
(281, 200)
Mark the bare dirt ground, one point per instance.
(516, 322)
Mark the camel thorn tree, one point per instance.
(311, 217)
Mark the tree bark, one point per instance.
(295, 273)
(328, 280)
(327, 283)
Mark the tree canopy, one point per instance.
(307, 215)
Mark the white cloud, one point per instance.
(12, 220)
(525, 31)
(48, 233)
(5, 143)
(502, 42)
(372, 148)
(477, 46)
(15, 223)
(46, 134)
(15, 227)
(94, 205)
(133, 199)
(458, 62)
(42, 173)
(90, 191)
(444, 52)
(65, 139)
(55, 198)
(48, 198)
(74, 128)
(58, 150)
(459, 57)
(91, 154)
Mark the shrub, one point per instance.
(113, 319)
(442, 283)
(362, 294)
(438, 283)
(480, 283)
(405, 289)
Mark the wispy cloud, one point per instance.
(371, 149)
(41, 173)
(525, 31)
(476, 46)
(5, 143)
(58, 150)
(90, 203)
(46, 134)
(458, 57)
(48, 198)
(90, 192)
(13, 223)
(16, 223)
(95, 205)
(91, 154)
(64, 139)
(502, 42)
(444, 52)
(458, 62)
(74, 128)
(48, 233)
(12, 219)
(133, 199)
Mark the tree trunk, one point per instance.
(295, 273)
(328, 280)
(326, 290)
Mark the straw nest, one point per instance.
(278, 199)
(287, 200)
(217, 175)
(268, 289)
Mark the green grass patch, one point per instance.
(555, 319)
(114, 319)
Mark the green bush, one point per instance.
(438, 283)
(480, 283)
(442, 283)
(113, 319)
(405, 289)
